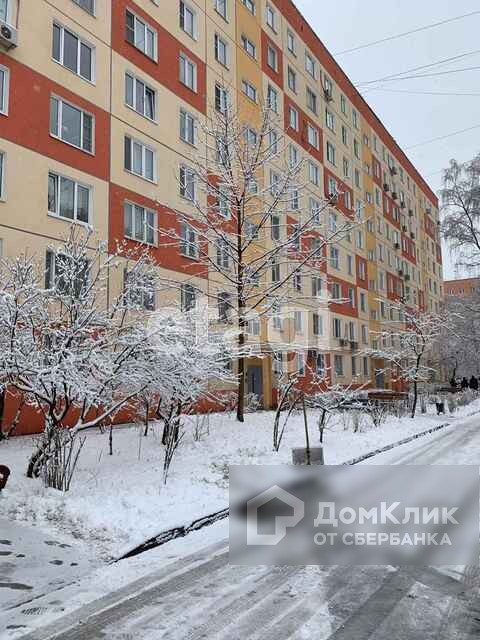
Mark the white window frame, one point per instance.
(291, 42)
(191, 121)
(188, 183)
(147, 28)
(145, 147)
(59, 177)
(250, 6)
(249, 90)
(5, 72)
(313, 136)
(272, 58)
(271, 17)
(136, 79)
(3, 165)
(314, 173)
(146, 212)
(80, 41)
(223, 14)
(94, 7)
(187, 72)
(221, 45)
(293, 119)
(189, 247)
(249, 46)
(186, 7)
(58, 136)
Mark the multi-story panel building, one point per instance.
(99, 106)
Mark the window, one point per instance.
(140, 159)
(272, 143)
(221, 7)
(225, 306)
(249, 90)
(310, 65)
(316, 287)
(311, 100)
(68, 199)
(141, 35)
(272, 99)
(330, 120)
(291, 43)
(274, 183)
(188, 299)
(187, 127)
(350, 264)
(354, 366)
(2, 176)
(187, 183)
(312, 136)
(188, 241)
(315, 209)
(188, 72)
(272, 58)
(67, 275)
(72, 52)
(343, 104)
(338, 365)
(355, 118)
(344, 135)
(271, 17)
(275, 271)
(250, 4)
(298, 321)
(222, 253)
(253, 327)
(140, 97)
(320, 364)
(351, 297)
(139, 223)
(71, 125)
(356, 149)
(346, 168)
(300, 364)
(335, 257)
(317, 325)
(223, 203)
(275, 222)
(293, 157)
(293, 118)
(4, 88)
(249, 47)
(365, 366)
(188, 19)
(87, 5)
(331, 153)
(221, 98)
(292, 80)
(314, 173)
(221, 50)
(364, 334)
(337, 328)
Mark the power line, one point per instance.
(448, 135)
(427, 75)
(424, 93)
(406, 33)
(400, 74)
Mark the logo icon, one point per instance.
(282, 523)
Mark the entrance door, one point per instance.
(255, 382)
(379, 379)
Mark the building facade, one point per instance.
(461, 288)
(98, 104)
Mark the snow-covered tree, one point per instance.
(461, 211)
(69, 346)
(407, 344)
(254, 222)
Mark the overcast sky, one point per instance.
(411, 119)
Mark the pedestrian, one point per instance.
(464, 383)
(473, 384)
(439, 404)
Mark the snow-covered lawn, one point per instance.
(118, 500)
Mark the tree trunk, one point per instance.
(2, 410)
(415, 398)
(241, 372)
(307, 437)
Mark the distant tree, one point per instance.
(461, 211)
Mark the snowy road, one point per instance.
(203, 597)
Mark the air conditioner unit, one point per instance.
(403, 205)
(353, 345)
(343, 342)
(400, 273)
(394, 195)
(8, 35)
(404, 229)
(393, 171)
(396, 245)
(428, 210)
(412, 235)
(407, 277)
(328, 95)
(386, 186)
(410, 213)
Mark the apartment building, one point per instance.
(461, 288)
(98, 105)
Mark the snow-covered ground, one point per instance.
(116, 501)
